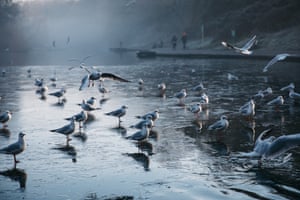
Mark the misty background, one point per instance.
(53, 31)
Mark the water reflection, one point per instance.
(82, 136)
(68, 150)
(142, 159)
(5, 132)
(16, 174)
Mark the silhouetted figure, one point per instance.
(68, 40)
(174, 41)
(184, 39)
(53, 44)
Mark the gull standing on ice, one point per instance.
(154, 115)
(59, 94)
(199, 88)
(87, 107)
(66, 130)
(15, 148)
(245, 49)
(118, 113)
(140, 135)
(181, 96)
(5, 117)
(220, 125)
(80, 118)
(277, 58)
(148, 121)
(161, 89)
(196, 109)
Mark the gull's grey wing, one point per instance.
(228, 45)
(282, 144)
(274, 60)
(11, 149)
(114, 77)
(84, 82)
(249, 44)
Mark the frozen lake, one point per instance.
(182, 159)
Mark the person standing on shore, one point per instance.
(184, 39)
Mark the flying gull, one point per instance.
(277, 58)
(245, 49)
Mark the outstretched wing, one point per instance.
(282, 144)
(228, 45)
(113, 77)
(249, 44)
(275, 59)
(84, 82)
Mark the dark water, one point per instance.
(181, 161)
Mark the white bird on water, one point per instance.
(273, 147)
(248, 109)
(276, 102)
(277, 58)
(220, 125)
(118, 113)
(288, 87)
(15, 148)
(294, 95)
(5, 117)
(181, 96)
(243, 50)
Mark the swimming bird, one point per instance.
(118, 113)
(66, 130)
(276, 102)
(181, 96)
(258, 96)
(267, 91)
(277, 58)
(219, 125)
(248, 109)
(243, 50)
(59, 94)
(80, 118)
(140, 135)
(15, 148)
(273, 147)
(204, 100)
(5, 117)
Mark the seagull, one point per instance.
(199, 88)
(288, 87)
(196, 109)
(273, 147)
(204, 100)
(276, 102)
(93, 76)
(87, 107)
(258, 96)
(140, 135)
(181, 96)
(294, 95)
(58, 94)
(148, 121)
(91, 101)
(118, 113)
(267, 91)
(277, 58)
(161, 89)
(81, 62)
(245, 49)
(66, 130)
(39, 82)
(154, 115)
(5, 117)
(15, 148)
(248, 109)
(222, 124)
(232, 77)
(80, 118)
